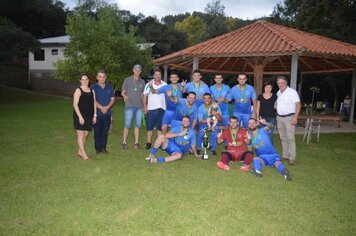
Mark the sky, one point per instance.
(243, 9)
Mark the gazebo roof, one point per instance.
(235, 51)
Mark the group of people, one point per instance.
(182, 122)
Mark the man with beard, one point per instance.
(235, 138)
(198, 87)
(185, 107)
(266, 154)
(176, 143)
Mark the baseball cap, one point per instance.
(137, 66)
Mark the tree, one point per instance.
(100, 42)
(167, 40)
(194, 27)
(14, 42)
(215, 19)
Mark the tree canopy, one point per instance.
(100, 42)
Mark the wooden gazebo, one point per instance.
(264, 48)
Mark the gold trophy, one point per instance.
(205, 144)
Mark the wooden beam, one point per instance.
(258, 77)
(222, 64)
(165, 73)
(305, 63)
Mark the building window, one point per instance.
(40, 55)
(54, 51)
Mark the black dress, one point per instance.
(86, 108)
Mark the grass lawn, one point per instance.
(46, 190)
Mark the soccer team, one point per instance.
(182, 122)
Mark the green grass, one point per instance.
(45, 190)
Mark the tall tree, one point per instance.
(215, 19)
(101, 42)
(194, 27)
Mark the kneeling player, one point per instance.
(176, 143)
(267, 155)
(236, 150)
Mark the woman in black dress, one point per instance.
(266, 107)
(84, 115)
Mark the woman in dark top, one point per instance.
(84, 114)
(266, 107)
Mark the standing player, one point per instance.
(198, 87)
(220, 93)
(175, 89)
(176, 143)
(266, 154)
(236, 150)
(243, 94)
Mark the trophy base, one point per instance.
(205, 157)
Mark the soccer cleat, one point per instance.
(245, 168)
(255, 172)
(148, 146)
(222, 166)
(286, 174)
(136, 146)
(198, 152)
(213, 152)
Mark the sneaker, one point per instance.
(123, 146)
(291, 162)
(255, 172)
(149, 157)
(245, 168)
(198, 152)
(285, 158)
(213, 152)
(152, 160)
(148, 146)
(105, 151)
(222, 166)
(286, 175)
(137, 146)
(98, 152)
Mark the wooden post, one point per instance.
(353, 94)
(294, 71)
(195, 65)
(258, 77)
(165, 73)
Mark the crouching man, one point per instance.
(235, 138)
(178, 141)
(258, 138)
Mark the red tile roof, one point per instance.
(264, 39)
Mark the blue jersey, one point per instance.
(200, 91)
(222, 93)
(184, 142)
(182, 109)
(203, 114)
(243, 98)
(177, 93)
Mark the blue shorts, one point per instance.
(243, 119)
(270, 159)
(133, 113)
(172, 148)
(154, 119)
(167, 118)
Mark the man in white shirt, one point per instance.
(154, 106)
(288, 108)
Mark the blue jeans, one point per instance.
(101, 131)
(273, 121)
(133, 113)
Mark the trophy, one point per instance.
(205, 144)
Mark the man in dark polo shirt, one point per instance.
(105, 99)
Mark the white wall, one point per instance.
(47, 64)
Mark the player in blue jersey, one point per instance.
(176, 90)
(176, 143)
(198, 87)
(258, 138)
(244, 95)
(220, 93)
(185, 107)
(203, 115)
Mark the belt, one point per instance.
(290, 114)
